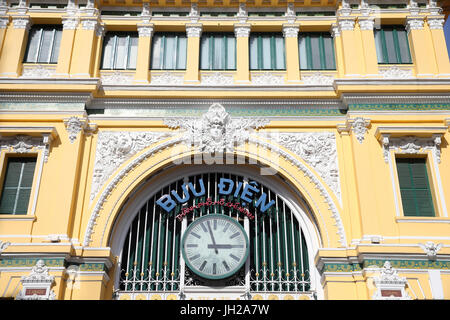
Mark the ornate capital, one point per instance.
(436, 22)
(414, 23)
(70, 22)
(145, 30)
(21, 22)
(290, 30)
(335, 32)
(75, 125)
(366, 23)
(346, 24)
(89, 23)
(194, 30)
(242, 30)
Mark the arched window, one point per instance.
(151, 261)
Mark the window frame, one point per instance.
(322, 52)
(4, 163)
(161, 68)
(259, 49)
(211, 53)
(384, 53)
(42, 27)
(429, 186)
(113, 61)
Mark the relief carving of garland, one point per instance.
(216, 131)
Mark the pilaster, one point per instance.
(242, 33)
(366, 24)
(290, 32)
(436, 25)
(194, 32)
(145, 31)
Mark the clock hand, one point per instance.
(212, 237)
(225, 246)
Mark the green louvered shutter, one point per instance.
(415, 187)
(17, 185)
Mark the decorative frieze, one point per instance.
(318, 79)
(267, 79)
(395, 72)
(167, 78)
(114, 148)
(411, 145)
(216, 131)
(217, 79)
(38, 71)
(117, 78)
(27, 144)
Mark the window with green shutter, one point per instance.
(169, 51)
(392, 45)
(415, 187)
(43, 44)
(218, 51)
(267, 51)
(120, 51)
(316, 51)
(17, 185)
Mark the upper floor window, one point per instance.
(316, 51)
(120, 51)
(218, 51)
(43, 44)
(169, 50)
(415, 187)
(392, 45)
(267, 51)
(17, 184)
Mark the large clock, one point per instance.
(215, 246)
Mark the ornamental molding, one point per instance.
(433, 8)
(388, 283)
(167, 78)
(335, 32)
(116, 78)
(317, 149)
(75, 125)
(267, 79)
(411, 145)
(216, 131)
(194, 14)
(116, 147)
(242, 13)
(4, 21)
(194, 30)
(290, 13)
(89, 23)
(38, 71)
(217, 79)
(318, 79)
(394, 72)
(431, 249)
(23, 144)
(39, 279)
(357, 125)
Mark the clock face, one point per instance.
(215, 246)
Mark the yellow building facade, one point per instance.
(320, 128)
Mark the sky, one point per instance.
(447, 34)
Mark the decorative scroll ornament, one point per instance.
(216, 131)
(75, 125)
(38, 71)
(318, 149)
(318, 79)
(267, 79)
(167, 78)
(27, 144)
(394, 72)
(117, 78)
(3, 246)
(431, 249)
(114, 148)
(390, 286)
(37, 285)
(412, 145)
(359, 127)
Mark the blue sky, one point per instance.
(447, 34)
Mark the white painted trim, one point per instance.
(436, 284)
